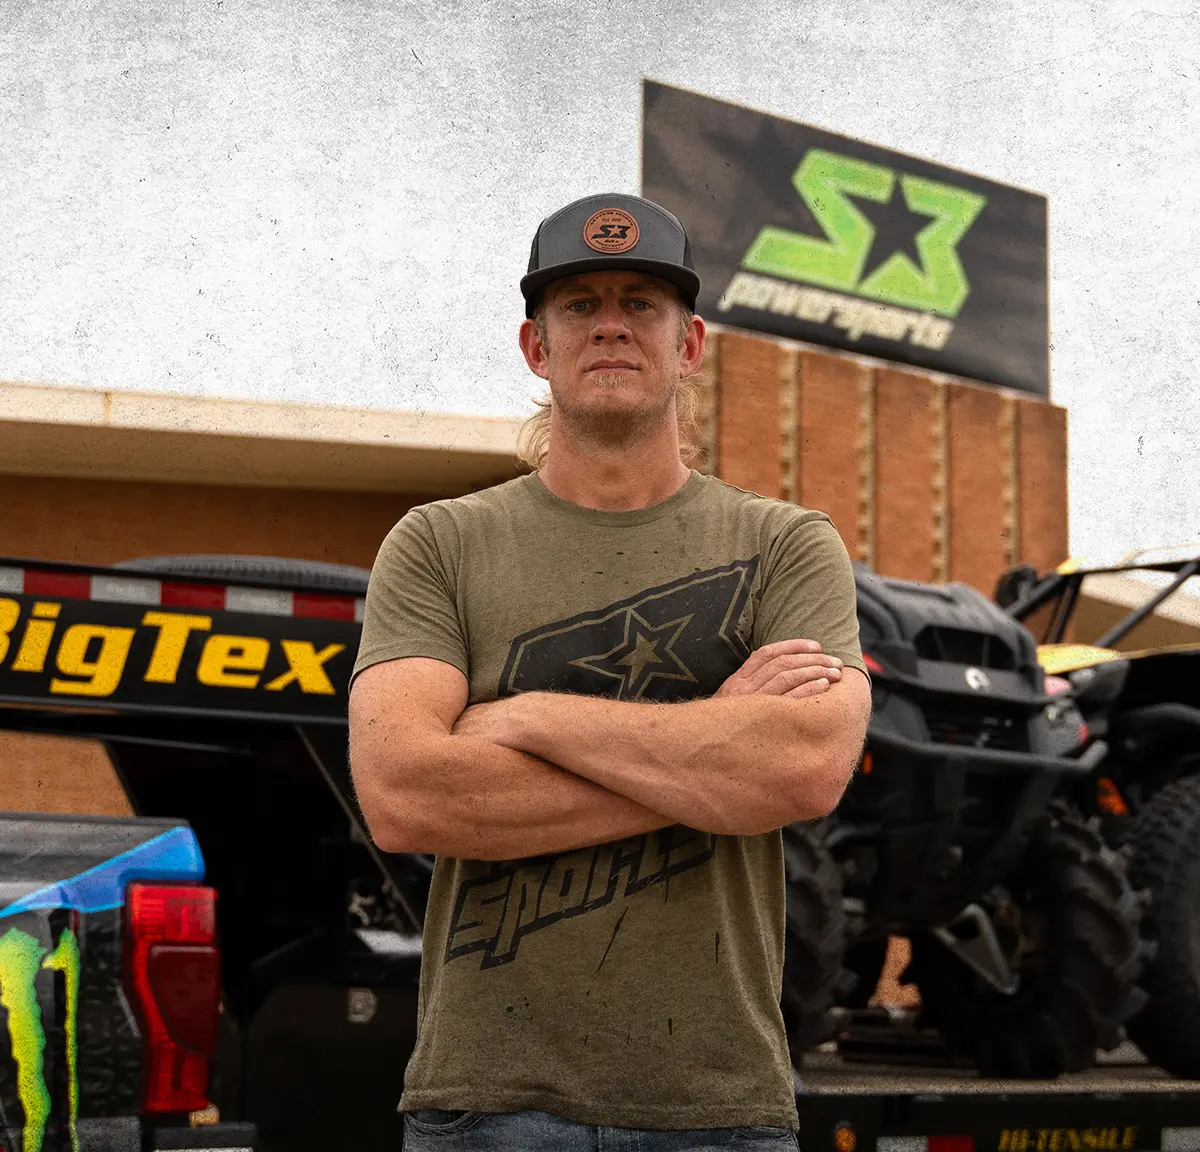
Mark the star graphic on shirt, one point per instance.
(896, 229)
(669, 642)
(644, 651)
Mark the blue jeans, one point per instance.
(435, 1130)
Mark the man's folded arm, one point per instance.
(424, 789)
(737, 765)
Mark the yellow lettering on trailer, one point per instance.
(10, 613)
(35, 643)
(227, 661)
(173, 631)
(85, 659)
(305, 667)
(100, 675)
(1068, 1139)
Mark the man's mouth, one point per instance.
(612, 366)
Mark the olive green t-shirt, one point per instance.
(634, 983)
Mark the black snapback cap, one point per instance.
(610, 230)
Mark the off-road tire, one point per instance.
(1081, 989)
(816, 940)
(270, 570)
(1166, 860)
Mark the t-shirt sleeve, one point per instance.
(808, 592)
(410, 604)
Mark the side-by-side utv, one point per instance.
(1024, 925)
(1141, 700)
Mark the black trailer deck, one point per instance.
(1121, 1105)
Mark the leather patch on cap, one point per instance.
(611, 230)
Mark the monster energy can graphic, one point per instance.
(47, 1073)
(22, 957)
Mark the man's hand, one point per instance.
(788, 668)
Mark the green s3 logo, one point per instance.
(21, 958)
(825, 182)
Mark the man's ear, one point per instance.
(534, 350)
(691, 354)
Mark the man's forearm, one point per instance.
(479, 801)
(732, 765)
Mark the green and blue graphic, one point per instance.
(171, 856)
(21, 958)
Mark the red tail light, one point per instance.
(173, 978)
(872, 664)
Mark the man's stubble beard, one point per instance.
(615, 427)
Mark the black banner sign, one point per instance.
(59, 650)
(818, 237)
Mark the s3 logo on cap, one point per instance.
(611, 230)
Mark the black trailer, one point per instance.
(1122, 1105)
(218, 687)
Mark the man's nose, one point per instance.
(610, 323)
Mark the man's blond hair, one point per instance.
(533, 441)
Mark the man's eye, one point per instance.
(640, 305)
(577, 305)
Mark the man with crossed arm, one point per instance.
(596, 693)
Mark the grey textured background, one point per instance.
(332, 202)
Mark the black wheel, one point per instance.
(816, 939)
(314, 574)
(865, 961)
(1166, 860)
(1071, 933)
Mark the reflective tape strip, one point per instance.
(178, 595)
(61, 585)
(126, 589)
(263, 601)
(322, 607)
(111, 588)
(1181, 1140)
(951, 1144)
(901, 1144)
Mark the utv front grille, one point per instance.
(975, 727)
(961, 646)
